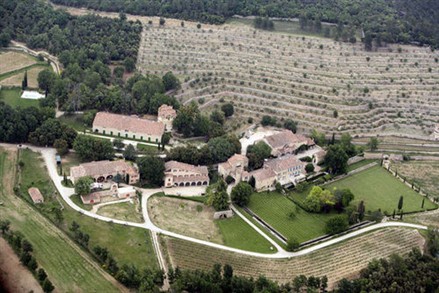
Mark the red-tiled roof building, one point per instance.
(131, 127)
(181, 174)
(35, 195)
(286, 142)
(102, 171)
(166, 115)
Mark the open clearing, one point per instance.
(390, 91)
(68, 266)
(125, 211)
(381, 190)
(275, 209)
(423, 173)
(343, 260)
(12, 98)
(196, 220)
(12, 61)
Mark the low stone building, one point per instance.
(286, 170)
(166, 115)
(182, 174)
(102, 171)
(131, 127)
(234, 167)
(35, 195)
(286, 142)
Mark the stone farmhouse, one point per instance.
(234, 167)
(181, 174)
(131, 127)
(286, 170)
(166, 115)
(35, 195)
(103, 171)
(286, 142)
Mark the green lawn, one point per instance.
(75, 121)
(12, 98)
(360, 164)
(381, 190)
(68, 161)
(238, 234)
(275, 209)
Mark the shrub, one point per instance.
(309, 168)
(337, 225)
(292, 244)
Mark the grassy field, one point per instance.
(380, 190)
(422, 173)
(343, 260)
(125, 211)
(12, 98)
(360, 164)
(194, 219)
(68, 267)
(238, 234)
(74, 121)
(275, 209)
(12, 61)
(126, 244)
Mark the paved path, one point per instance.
(49, 158)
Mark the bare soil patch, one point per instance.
(11, 61)
(181, 216)
(32, 75)
(14, 277)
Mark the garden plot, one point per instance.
(393, 90)
(344, 260)
(381, 190)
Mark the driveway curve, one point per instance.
(49, 158)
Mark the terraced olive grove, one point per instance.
(322, 84)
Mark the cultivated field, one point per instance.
(381, 190)
(125, 211)
(68, 266)
(343, 260)
(275, 209)
(424, 173)
(393, 90)
(401, 145)
(196, 220)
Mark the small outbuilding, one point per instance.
(36, 195)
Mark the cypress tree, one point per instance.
(401, 202)
(24, 82)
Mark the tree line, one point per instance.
(400, 21)
(24, 250)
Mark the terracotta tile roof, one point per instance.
(195, 178)
(35, 194)
(234, 160)
(102, 167)
(287, 137)
(169, 166)
(166, 112)
(262, 174)
(283, 163)
(128, 123)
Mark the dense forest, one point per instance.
(401, 21)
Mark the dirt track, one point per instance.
(14, 277)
